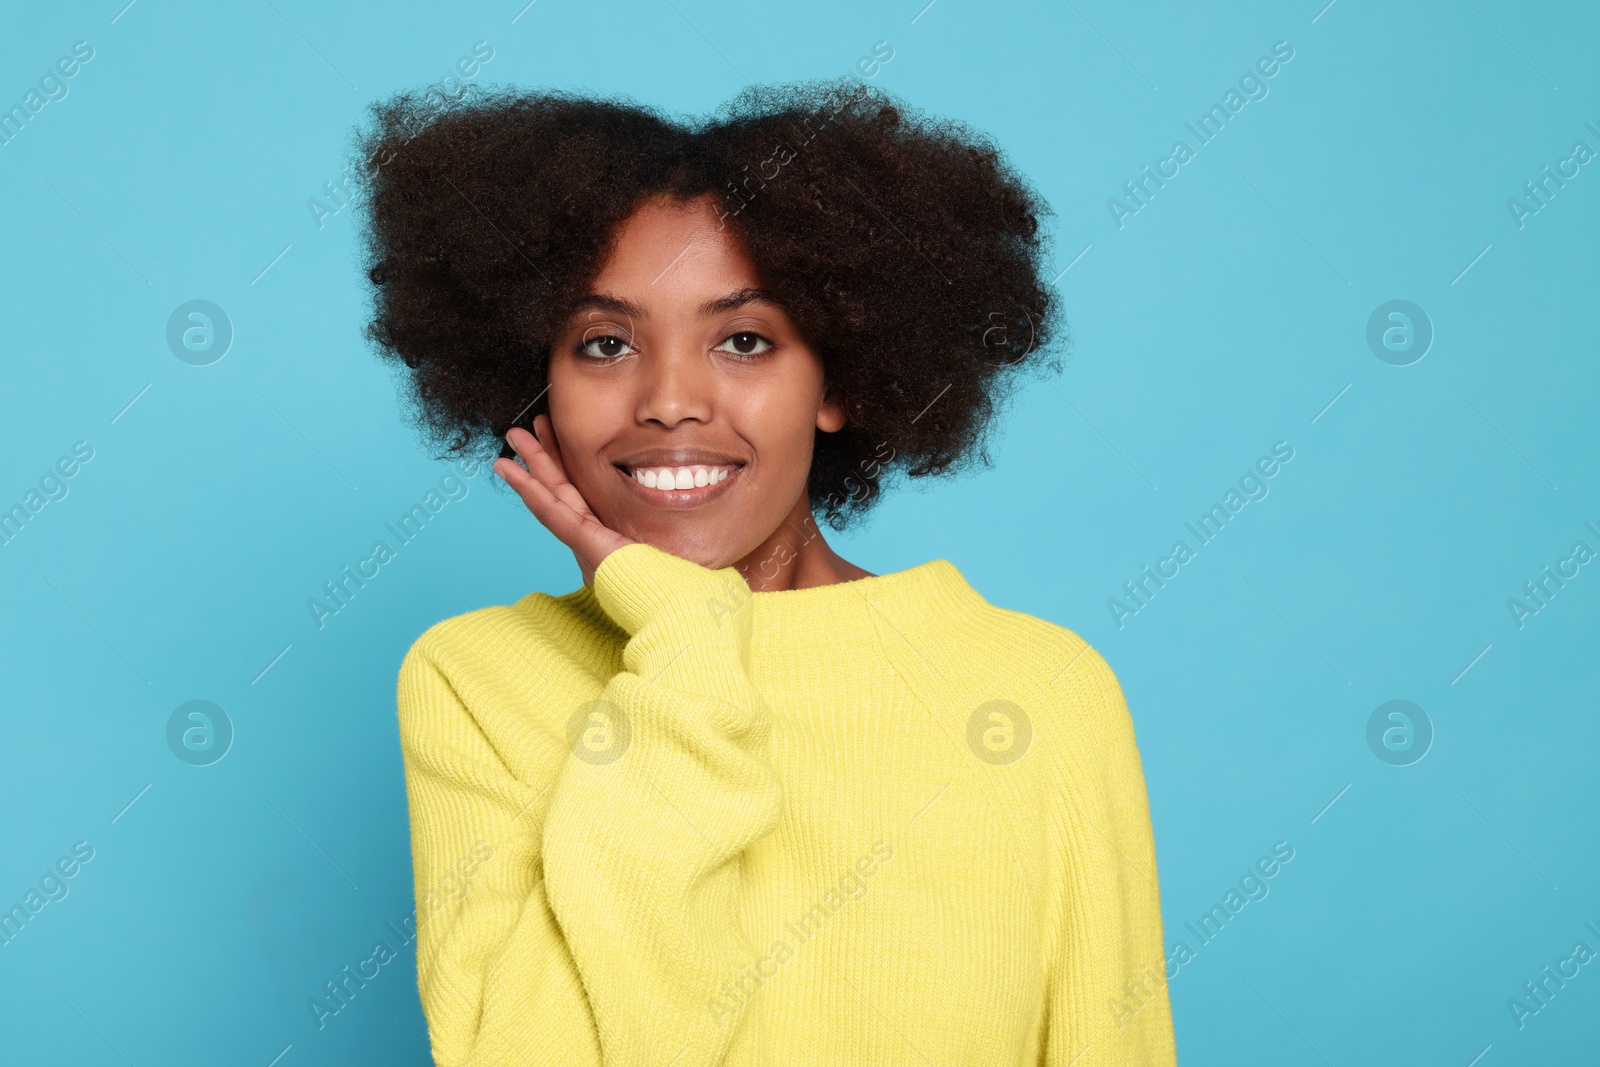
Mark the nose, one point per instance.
(675, 383)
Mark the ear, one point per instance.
(830, 415)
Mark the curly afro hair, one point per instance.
(905, 248)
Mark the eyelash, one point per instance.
(582, 346)
(748, 357)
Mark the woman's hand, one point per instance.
(554, 500)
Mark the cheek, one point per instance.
(779, 422)
(584, 418)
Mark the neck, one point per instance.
(796, 556)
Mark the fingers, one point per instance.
(554, 500)
(543, 457)
(544, 487)
(547, 439)
(534, 493)
(539, 462)
(563, 488)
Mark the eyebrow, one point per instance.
(730, 302)
(615, 305)
(738, 299)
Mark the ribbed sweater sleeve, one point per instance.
(497, 983)
(643, 847)
(1107, 983)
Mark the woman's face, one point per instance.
(676, 363)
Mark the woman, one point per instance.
(736, 799)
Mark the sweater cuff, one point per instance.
(637, 581)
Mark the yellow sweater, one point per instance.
(663, 820)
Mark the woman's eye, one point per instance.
(607, 346)
(745, 343)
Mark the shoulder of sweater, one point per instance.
(479, 694)
(536, 630)
(1030, 644)
(1056, 676)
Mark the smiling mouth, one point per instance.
(676, 478)
(684, 486)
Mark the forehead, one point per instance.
(669, 250)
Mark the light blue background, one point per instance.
(1223, 317)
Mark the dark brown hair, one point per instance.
(905, 248)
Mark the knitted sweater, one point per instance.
(665, 820)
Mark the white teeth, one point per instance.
(680, 477)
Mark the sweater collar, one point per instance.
(935, 585)
(927, 598)
(916, 603)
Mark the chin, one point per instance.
(703, 547)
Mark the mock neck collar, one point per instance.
(936, 583)
(928, 597)
(915, 603)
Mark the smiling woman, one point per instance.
(679, 764)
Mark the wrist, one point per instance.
(638, 581)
